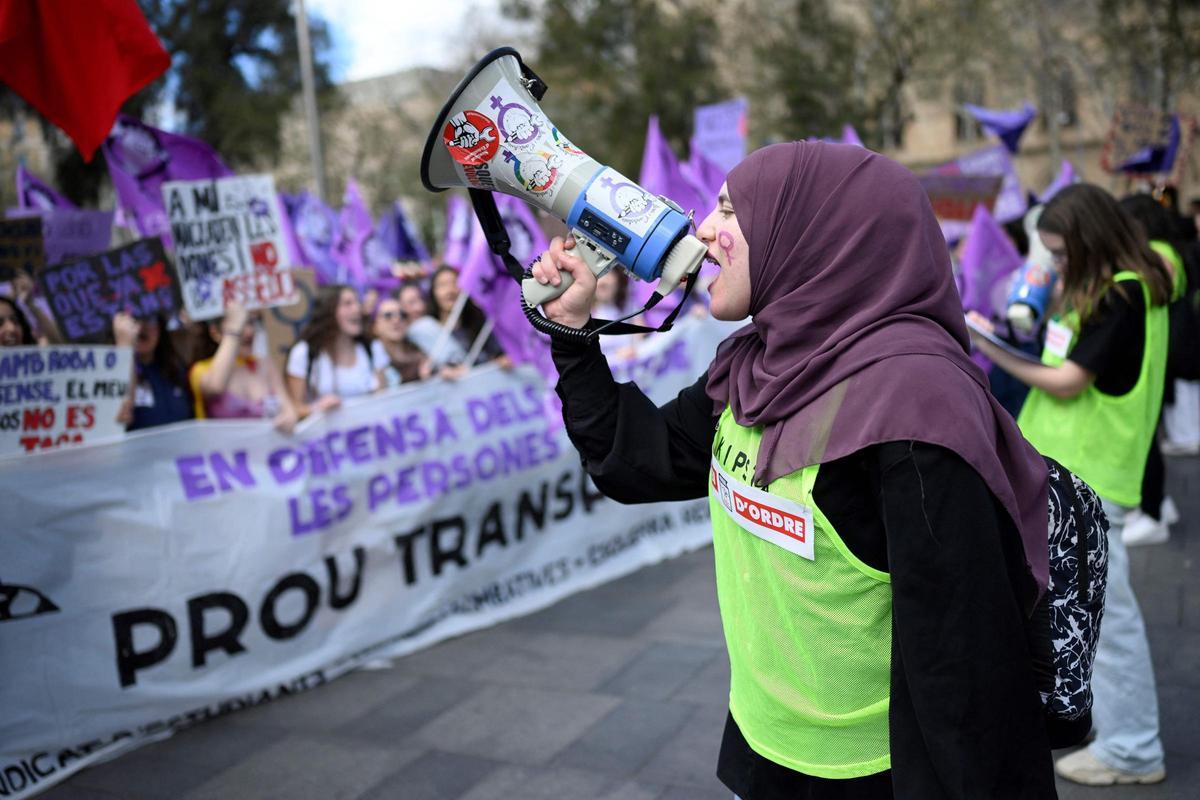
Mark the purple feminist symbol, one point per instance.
(628, 197)
(259, 207)
(524, 129)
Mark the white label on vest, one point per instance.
(1058, 339)
(774, 519)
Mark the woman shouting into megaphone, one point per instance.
(879, 523)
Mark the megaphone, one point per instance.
(492, 135)
(1033, 290)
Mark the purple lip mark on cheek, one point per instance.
(725, 242)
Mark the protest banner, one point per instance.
(52, 397)
(214, 566)
(954, 197)
(1011, 202)
(229, 243)
(74, 233)
(719, 132)
(284, 323)
(21, 248)
(85, 294)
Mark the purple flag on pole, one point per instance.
(355, 229)
(316, 230)
(988, 258)
(460, 227)
(705, 178)
(488, 284)
(1064, 178)
(1008, 124)
(399, 237)
(141, 158)
(35, 193)
(720, 131)
(1159, 157)
(850, 136)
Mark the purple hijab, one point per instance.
(858, 335)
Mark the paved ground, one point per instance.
(615, 693)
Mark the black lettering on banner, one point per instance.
(129, 660)
(269, 620)
(526, 509)
(338, 601)
(438, 555)
(491, 530)
(562, 494)
(227, 639)
(408, 562)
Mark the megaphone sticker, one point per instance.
(471, 138)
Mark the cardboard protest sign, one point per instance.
(85, 294)
(954, 197)
(284, 323)
(75, 233)
(52, 397)
(229, 243)
(21, 248)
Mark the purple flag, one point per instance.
(316, 230)
(1158, 157)
(1008, 124)
(460, 228)
(355, 229)
(399, 237)
(486, 281)
(850, 136)
(988, 258)
(720, 132)
(705, 179)
(35, 193)
(141, 158)
(1064, 178)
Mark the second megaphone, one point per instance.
(492, 135)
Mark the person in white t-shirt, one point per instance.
(331, 360)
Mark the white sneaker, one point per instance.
(1083, 767)
(1141, 528)
(1170, 512)
(1170, 448)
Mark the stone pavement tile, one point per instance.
(71, 792)
(515, 724)
(215, 744)
(660, 670)
(558, 783)
(329, 706)
(688, 621)
(1161, 602)
(433, 775)
(1179, 721)
(304, 768)
(709, 686)
(397, 717)
(718, 792)
(690, 758)
(1176, 654)
(627, 738)
(142, 774)
(601, 611)
(559, 660)
(461, 657)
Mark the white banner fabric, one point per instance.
(194, 570)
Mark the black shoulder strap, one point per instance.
(499, 243)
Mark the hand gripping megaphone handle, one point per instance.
(598, 260)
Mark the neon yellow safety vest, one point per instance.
(808, 626)
(1177, 272)
(1103, 438)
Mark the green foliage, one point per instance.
(610, 64)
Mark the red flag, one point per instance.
(77, 63)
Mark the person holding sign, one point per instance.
(14, 325)
(229, 382)
(879, 523)
(1093, 406)
(331, 359)
(158, 391)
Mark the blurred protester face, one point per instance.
(390, 321)
(445, 290)
(349, 313)
(147, 340)
(412, 301)
(14, 328)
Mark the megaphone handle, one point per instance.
(598, 260)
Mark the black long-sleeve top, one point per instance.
(965, 720)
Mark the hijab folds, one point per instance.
(858, 335)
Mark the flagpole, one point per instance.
(448, 326)
(310, 99)
(480, 341)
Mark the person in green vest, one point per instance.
(1093, 406)
(879, 523)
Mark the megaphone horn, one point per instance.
(492, 135)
